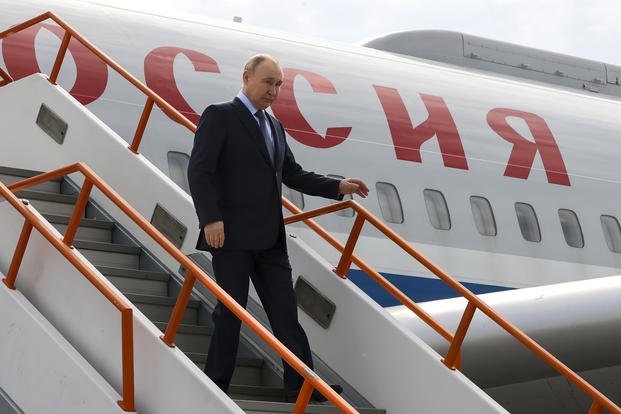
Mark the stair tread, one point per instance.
(84, 222)
(47, 196)
(187, 329)
(257, 390)
(159, 300)
(106, 247)
(283, 407)
(19, 172)
(134, 273)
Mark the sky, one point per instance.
(584, 28)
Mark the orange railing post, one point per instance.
(453, 353)
(20, 249)
(345, 263)
(78, 212)
(179, 309)
(596, 408)
(60, 57)
(142, 125)
(127, 328)
(303, 398)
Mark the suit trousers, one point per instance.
(270, 272)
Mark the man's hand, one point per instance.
(353, 185)
(214, 234)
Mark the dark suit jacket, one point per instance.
(232, 178)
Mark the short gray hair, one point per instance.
(254, 61)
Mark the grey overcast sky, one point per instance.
(584, 28)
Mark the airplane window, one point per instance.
(571, 228)
(178, 169)
(612, 232)
(389, 202)
(348, 212)
(483, 215)
(437, 210)
(527, 219)
(294, 196)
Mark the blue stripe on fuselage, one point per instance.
(419, 289)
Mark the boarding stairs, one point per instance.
(386, 366)
(153, 290)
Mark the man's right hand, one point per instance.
(214, 234)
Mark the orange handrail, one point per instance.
(127, 327)
(311, 379)
(70, 33)
(5, 78)
(474, 302)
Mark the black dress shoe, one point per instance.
(291, 396)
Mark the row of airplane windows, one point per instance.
(438, 211)
(483, 216)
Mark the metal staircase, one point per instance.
(390, 366)
(152, 288)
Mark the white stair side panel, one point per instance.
(165, 379)
(386, 363)
(41, 371)
(382, 348)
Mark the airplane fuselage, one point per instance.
(503, 183)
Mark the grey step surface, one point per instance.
(109, 254)
(137, 281)
(89, 229)
(263, 407)
(51, 203)
(247, 370)
(249, 395)
(159, 308)
(256, 393)
(10, 175)
(190, 338)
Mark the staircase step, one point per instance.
(190, 338)
(250, 395)
(256, 393)
(89, 229)
(259, 407)
(109, 254)
(247, 370)
(10, 175)
(51, 203)
(137, 281)
(159, 308)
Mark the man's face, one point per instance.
(262, 86)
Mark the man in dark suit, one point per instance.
(239, 161)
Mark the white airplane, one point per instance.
(496, 161)
(505, 182)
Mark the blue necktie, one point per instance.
(266, 135)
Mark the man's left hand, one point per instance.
(353, 185)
